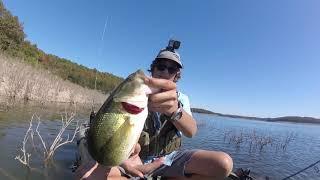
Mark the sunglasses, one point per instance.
(171, 70)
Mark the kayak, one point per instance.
(83, 157)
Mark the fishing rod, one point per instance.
(311, 165)
(241, 174)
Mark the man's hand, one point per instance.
(166, 100)
(134, 166)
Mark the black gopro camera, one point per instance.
(173, 44)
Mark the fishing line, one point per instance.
(99, 55)
(102, 36)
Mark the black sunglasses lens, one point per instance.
(171, 70)
(161, 67)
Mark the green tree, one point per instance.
(11, 32)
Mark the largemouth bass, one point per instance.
(117, 125)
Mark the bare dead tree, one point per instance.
(48, 148)
(66, 120)
(290, 137)
(259, 142)
(25, 157)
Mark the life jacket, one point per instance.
(158, 141)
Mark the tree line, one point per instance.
(13, 43)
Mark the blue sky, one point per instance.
(256, 58)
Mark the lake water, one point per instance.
(269, 149)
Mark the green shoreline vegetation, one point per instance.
(27, 73)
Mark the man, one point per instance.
(158, 152)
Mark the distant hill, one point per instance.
(296, 119)
(204, 111)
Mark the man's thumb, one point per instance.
(151, 166)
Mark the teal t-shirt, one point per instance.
(184, 99)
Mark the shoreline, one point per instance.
(17, 105)
(292, 119)
(21, 83)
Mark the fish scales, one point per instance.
(118, 124)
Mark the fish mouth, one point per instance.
(131, 108)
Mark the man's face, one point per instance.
(165, 69)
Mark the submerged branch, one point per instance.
(48, 153)
(58, 141)
(25, 157)
(40, 137)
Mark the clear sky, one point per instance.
(256, 58)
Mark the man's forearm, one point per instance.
(186, 124)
